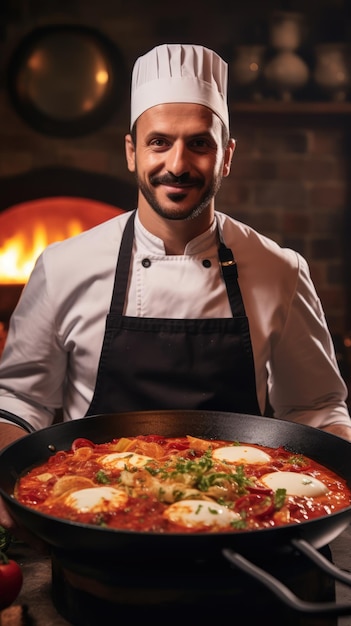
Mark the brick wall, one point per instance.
(291, 183)
(290, 176)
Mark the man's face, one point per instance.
(179, 159)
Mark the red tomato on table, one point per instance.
(11, 580)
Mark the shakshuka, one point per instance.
(181, 485)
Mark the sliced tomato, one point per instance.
(81, 442)
(57, 459)
(176, 443)
(255, 504)
(261, 490)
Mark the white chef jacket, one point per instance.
(56, 332)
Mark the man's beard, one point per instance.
(174, 213)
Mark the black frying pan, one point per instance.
(238, 548)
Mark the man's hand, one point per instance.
(340, 430)
(9, 433)
(20, 532)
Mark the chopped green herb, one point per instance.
(279, 498)
(102, 477)
(297, 459)
(213, 511)
(239, 524)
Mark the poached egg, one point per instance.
(240, 454)
(122, 460)
(295, 483)
(200, 514)
(96, 499)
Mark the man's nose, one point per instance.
(177, 160)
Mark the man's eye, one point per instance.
(158, 143)
(200, 144)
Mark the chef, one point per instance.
(172, 305)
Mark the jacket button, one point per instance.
(146, 262)
(206, 263)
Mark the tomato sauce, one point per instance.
(133, 482)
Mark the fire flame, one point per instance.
(20, 252)
(27, 228)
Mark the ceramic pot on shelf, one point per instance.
(286, 71)
(246, 71)
(332, 73)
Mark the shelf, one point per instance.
(269, 107)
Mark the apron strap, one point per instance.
(230, 275)
(122, 271)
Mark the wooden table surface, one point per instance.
(36, 590)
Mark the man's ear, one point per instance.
(228, 155)
(130, 152)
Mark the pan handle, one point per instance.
(283, 593)
(15, 419)
(327, 566)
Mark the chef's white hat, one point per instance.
(180, 73)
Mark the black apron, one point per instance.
(155, 364)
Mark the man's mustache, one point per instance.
(171, 179)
